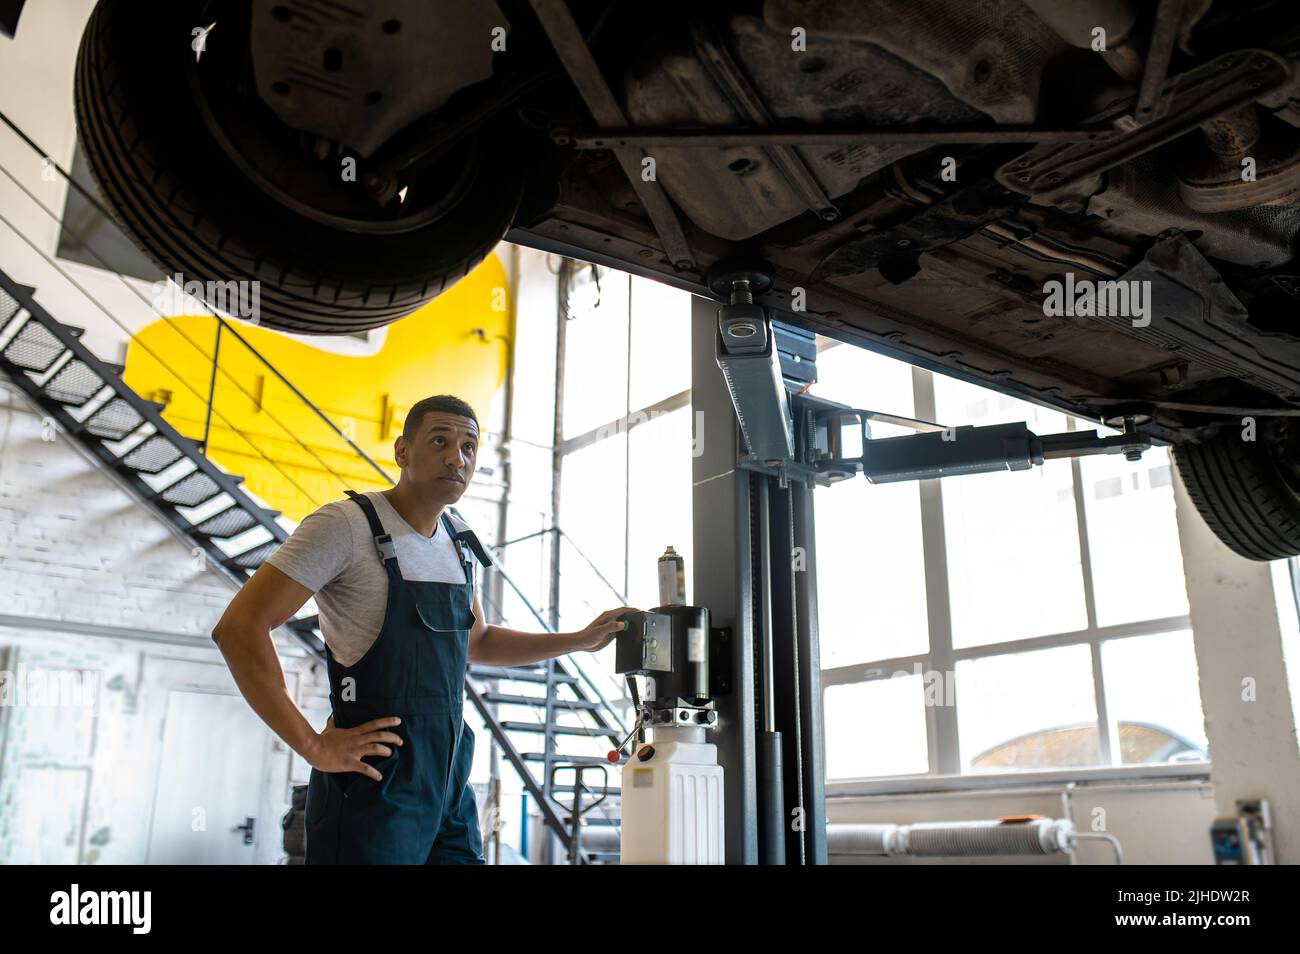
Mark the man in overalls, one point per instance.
(393, 576)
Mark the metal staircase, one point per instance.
(552, 705)
(129, 436)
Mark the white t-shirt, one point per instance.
(333, 554)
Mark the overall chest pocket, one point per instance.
(439, 651)
(449, 612)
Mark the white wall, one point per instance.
(1157, 823)
(1243, 619)
(91, 580)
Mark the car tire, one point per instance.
(175, 189)
(1244, 489)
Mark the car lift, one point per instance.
(755, 569)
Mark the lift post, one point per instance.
(754, 567)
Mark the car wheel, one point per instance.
(1248, 491)
(209, 184)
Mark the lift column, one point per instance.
(721, 575)
(754, 567)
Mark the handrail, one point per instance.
(94, 200)
(622, 598)
(305, 400)
(131, 336)
(94, 301)
(541, 533)
(99, 206)
(582, 672)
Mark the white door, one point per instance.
(205, 809)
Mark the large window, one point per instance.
(627, 436)
(999, 622)
(873, 603)
(987, 623)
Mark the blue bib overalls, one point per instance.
(423, 812)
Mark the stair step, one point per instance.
(517, 674)
(34, 348)
(114, 421)
(153, 455)
(27, 290)
(74, 384)
(506, 698)
(594, 819)
(230, 522)
(581, 730)
(252, 558)
(9, 306)
(192, 490)
(574, 759)
(590, 789)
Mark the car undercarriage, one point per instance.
(1086, 204)
(940, 251)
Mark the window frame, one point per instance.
(943, 746)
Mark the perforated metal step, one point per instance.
(8, 306)
(569, 759)
(522, 674)
(198, 488)
(505, 698)
(115, 420)
(252, 559)
(74, 384)
(34, 348)
(556, 729)
(231, 522)
(153, 456)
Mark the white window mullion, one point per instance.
(940, 719)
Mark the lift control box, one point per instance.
(671, 645)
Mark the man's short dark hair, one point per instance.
(445, 403)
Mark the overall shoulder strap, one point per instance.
(471, 540)
(461, 555)
(383, 542)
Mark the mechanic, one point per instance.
(393, 577)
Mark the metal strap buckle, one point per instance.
(387, 551)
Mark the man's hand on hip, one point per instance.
(340, 750)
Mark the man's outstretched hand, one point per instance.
(604, 628)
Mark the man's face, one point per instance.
(440, 458)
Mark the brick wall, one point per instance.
(75, 546)
(92, 581)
